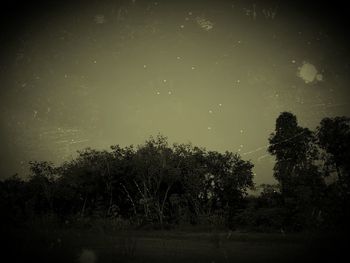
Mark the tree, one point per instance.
(192, 184)
(90, 177)
(296, 170)
(12, 200)
(295, 152)
(42, 185)
(231, 177)
(333, 136)
(157, 170)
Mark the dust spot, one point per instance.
(99, 19)
(205, 24)
(309, 73)
(87, 256)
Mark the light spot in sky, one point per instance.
(205, 24)
(144, 66)
(309, 73)
(158, 93)
(99, 19)
(182, 26)
(210, 111)
(193, 67)
(169, 92)
(209, 128)
(220, 104)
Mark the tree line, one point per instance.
(160, 185)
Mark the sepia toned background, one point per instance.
(213, 73)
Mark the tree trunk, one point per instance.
(83, 208)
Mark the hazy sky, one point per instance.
(214, 73)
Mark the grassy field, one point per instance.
(71, 245)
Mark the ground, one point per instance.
(95, 246)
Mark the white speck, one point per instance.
(65, 76)
(209, 128)
(239, 150)
(182, 26)
(35, 113)
(241, 131)
(238, 81)
(205, 24)
(99, 19)
(193, 67)
(241, 146)
(186, 18)
(95, 61)
(319, 77)
(189, 13)
(164, 80)
(293, 61)
(239, 41)
(144, 66)
(210, 111)
(158, 93)
(169, 92)
(220, 104)
(87, 256)
(178, 57)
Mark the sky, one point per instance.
(213, 73)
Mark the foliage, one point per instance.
(154, 183)
(159, 185)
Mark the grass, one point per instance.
(67, 244)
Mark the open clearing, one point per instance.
(168, 246)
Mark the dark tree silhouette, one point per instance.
(334, 138)
(295, 169)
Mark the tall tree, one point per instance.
(295, 152)
(157, 170)
(334, 139)
(333, 136)
(296, 171)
